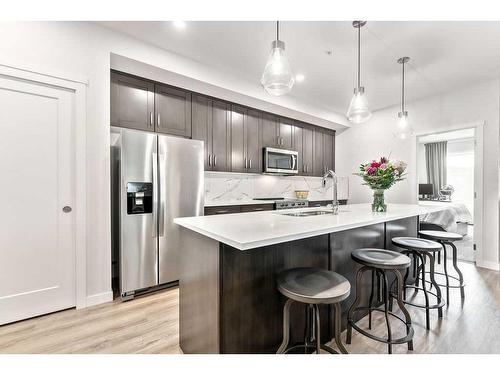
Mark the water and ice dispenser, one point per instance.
(139, 198)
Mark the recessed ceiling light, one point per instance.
(181, 25)
(299, 77)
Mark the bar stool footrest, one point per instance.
(417, 288)
(444, 286)
(402, 340)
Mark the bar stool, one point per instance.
(421, 249)
(380, 262)
(447, 238)
(314, 287)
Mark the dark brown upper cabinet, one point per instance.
(269, 130)
(329, 150)
(303, 143)
(252, 141)
(220, 135)
(245, 149)
(132, 102)
(297, 145)
(324, 151)
(233, 135)
(202, 125)
(276, 131)
(211, 125)
(285, 133)
(318, 145)
(238, 157)
(173, 110)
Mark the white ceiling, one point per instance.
(444, 55)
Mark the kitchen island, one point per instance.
(228, 302)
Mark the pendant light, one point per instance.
(358, 111)
(277, 78)
(403, 126)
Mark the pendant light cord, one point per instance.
(277, 30)
(359, 57)
(403, 90)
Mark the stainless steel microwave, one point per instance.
(279, 161)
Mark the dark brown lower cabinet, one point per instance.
(228, 301)
(219, 210)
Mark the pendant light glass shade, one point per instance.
(358, 111)
(403, 129)
(277, 78)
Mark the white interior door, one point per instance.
(37, 246)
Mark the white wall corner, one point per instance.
(97, 299)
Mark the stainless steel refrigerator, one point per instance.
(155, 178)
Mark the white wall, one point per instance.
(473, 104)
(81, 51)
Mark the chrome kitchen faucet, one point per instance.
(335, 201)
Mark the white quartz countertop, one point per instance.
(255, 229)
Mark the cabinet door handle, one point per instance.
(222, 211)
(151, 118)
(246, 163)
(215, 160)
(210, 160)
(250, 163)
(158, 120)
(282, 141)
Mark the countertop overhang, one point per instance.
(250, 230)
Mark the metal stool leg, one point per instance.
(286, 327)
(434, 283)
(439, 257)
(386, 310)
(399, 300)
(407, 272)
(417, 270)
(445, 267)
(424, 289)
(371, 300)
(338, 328)
(455, 265)
(317, 328)
(359, 277)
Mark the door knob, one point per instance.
(66, 209)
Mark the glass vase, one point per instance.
(378, 204)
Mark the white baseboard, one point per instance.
(97, 299)
(490, 265)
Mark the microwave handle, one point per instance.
(294, 162)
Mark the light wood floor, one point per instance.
(150, 325)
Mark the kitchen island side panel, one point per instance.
(199, 290)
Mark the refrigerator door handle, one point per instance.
(162, 198)
(154, 163)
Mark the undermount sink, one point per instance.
(306, 213)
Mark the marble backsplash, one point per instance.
(229, 187)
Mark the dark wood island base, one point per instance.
(228, 301)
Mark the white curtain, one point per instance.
(435, 160)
